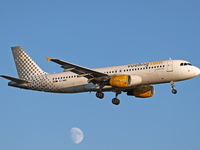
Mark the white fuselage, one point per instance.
(150, 72)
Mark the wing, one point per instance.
(81, 71)
(17, 80)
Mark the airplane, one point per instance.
(134, 79)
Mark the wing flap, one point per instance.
(17, 80)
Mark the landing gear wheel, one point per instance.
(174, 91)
(115, 101)
(100, 95)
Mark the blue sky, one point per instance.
(96, 34)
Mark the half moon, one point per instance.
(76, 135)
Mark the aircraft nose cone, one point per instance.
(196, 71)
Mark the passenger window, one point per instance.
(66, 77)
(143, 68)
(163, 65)
(129, 69)
(149, 67)
(53, 78)
(124, 70)
(61, 78)
(140, 68)
(120, 70)
(135, 69)
(74, 76)
(160, 66)
(116, 71)
(58, 78)
(69, 76)
(112, 71)
(154, 66)
(132, 69)
(157, 66)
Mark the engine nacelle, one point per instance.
(142, 92)
(120, 81)
(125, 80)
(135, 80)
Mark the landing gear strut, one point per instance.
(100, 94)
(115, 100)
(174, 91)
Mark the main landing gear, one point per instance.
(174, 91)
(100, 94)
(115, 100)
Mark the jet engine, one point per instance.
(142, 92)
(125, 81)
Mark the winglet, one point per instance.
(48, 59)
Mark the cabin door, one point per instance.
(169, 66)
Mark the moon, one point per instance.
(76, 135)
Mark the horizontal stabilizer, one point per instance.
(17, 80)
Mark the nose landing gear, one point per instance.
(174, 91)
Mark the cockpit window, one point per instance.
(185, 64)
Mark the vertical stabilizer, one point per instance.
(24, 63)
